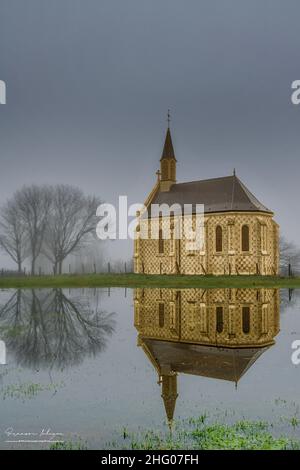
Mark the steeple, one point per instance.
(168, 150)
(167, 162)
(169, 395)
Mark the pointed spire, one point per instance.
(169, 395)
(168, 162)
(168, 150)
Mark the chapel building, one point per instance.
(239, 232)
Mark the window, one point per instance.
(161, 246)
(245, 238)
(219, 319)
(219, 238)
(246, 319)
(161, 315)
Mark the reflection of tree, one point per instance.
(289, 298)
(47, 328)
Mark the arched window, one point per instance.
(219, 238)
(160, 241)
(161, 315)
(246, 319)
(219, 319)
(245, 238)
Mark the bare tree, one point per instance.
(12, 233)
(289, 255)
(53, 221)
(33, 205)
(121, 265)
(88, 259)
(72, 221)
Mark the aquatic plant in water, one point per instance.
(27, 390)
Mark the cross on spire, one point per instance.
(169, 118)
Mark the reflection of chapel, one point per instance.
(217, 333)
(241, 236)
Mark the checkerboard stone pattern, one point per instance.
(190, 316)
(262, 257)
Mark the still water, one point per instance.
(88, 363)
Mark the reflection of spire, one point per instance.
(169, 395)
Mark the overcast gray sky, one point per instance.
(89, 83)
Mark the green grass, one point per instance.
(197, 433)
(68, 445)
(243, 435)
(146, 280)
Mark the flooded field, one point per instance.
(89, 364)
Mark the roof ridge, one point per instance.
(223, 194)
(207, 179)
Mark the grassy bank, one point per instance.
(144, 280)
(243, 435)
(198, 434)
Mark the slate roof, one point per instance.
(223, 194)
(207, 361)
